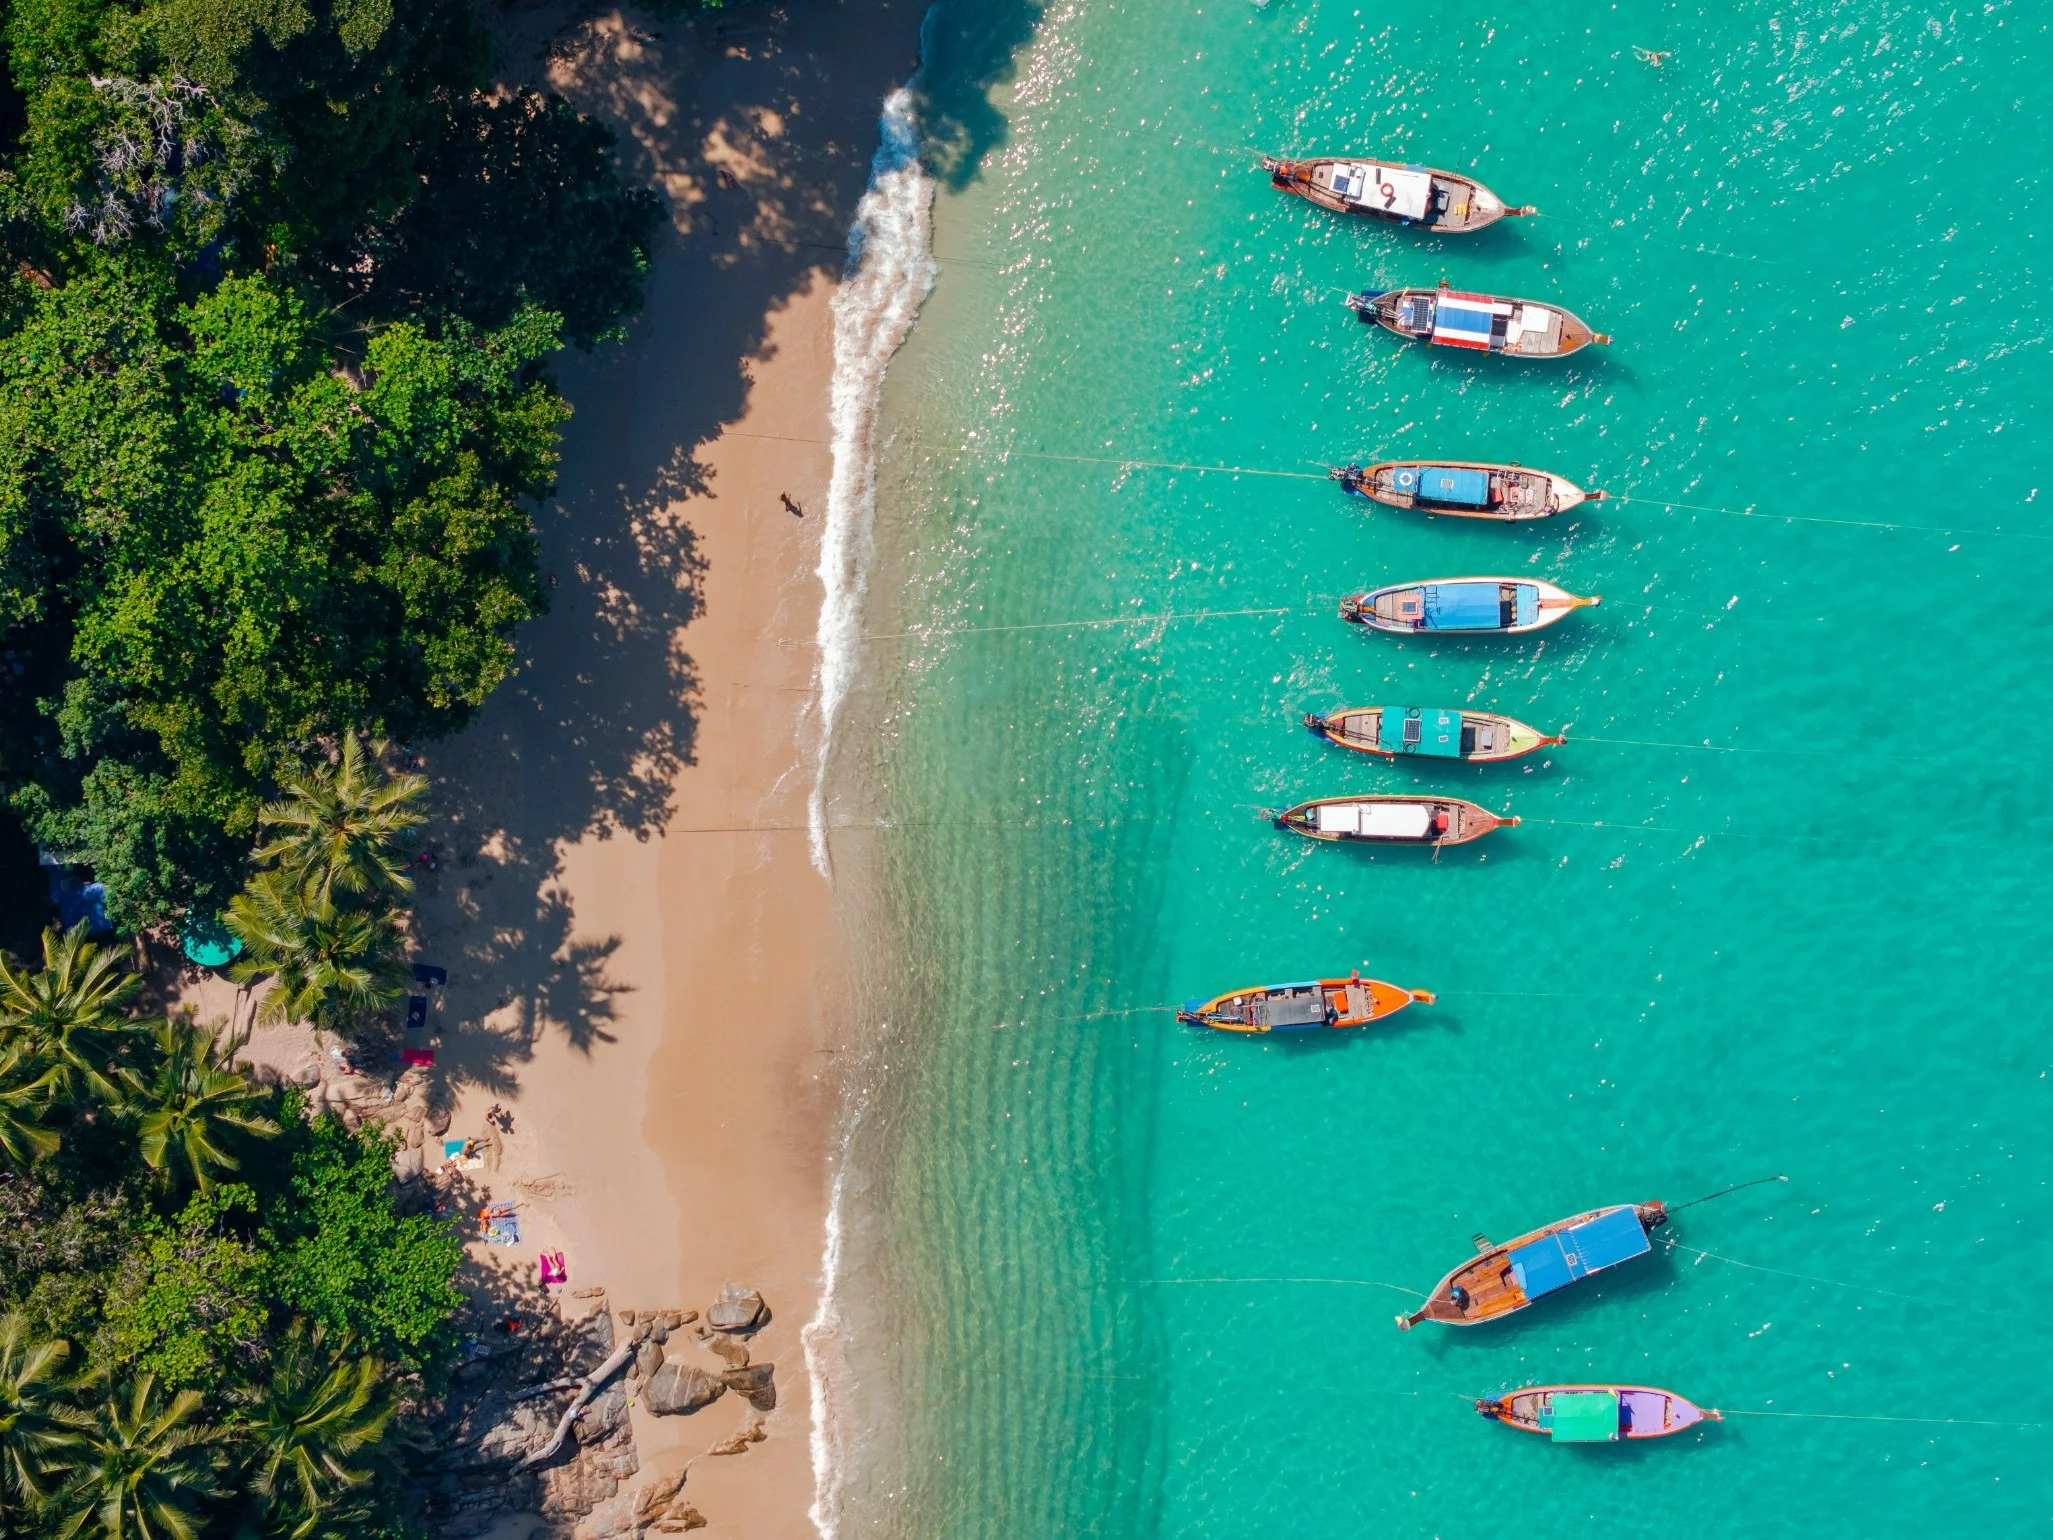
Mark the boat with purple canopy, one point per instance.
(1504, 606)
(1596, 1414)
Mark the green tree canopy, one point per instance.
(282, 281)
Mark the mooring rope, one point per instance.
(1366, 1283)
(1169, 465)
(1960, 1422)
(1730, 748)
(1805, 518)
(1834, 1283)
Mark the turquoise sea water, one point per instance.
(1779, 905)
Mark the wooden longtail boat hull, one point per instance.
(1496, 1281)
(1464, 606)
(1316, 1003)
(1478, 737)
(1644, 1412)
(1481, 323)
(1444, 202)
(1506, 493)
(1392, 820)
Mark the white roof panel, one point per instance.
(1387, 189)
(1396, 820)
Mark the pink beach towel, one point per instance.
(553, 1270)
(413, 1056)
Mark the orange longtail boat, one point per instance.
(1502, 1279)
(1350, 1002)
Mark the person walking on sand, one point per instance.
(790, 507)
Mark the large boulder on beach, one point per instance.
(754, 1384)
(737, 1309)
(648, 1358)
(735, 1353)
(677, 1390)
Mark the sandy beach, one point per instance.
(641, 956)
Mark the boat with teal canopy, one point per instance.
(1429, 732)
(1464, 606)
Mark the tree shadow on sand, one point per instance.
(757, 126)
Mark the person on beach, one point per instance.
(790, 507)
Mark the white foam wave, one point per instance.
(827, 1370)
(890, 271)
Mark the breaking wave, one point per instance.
(890, 271)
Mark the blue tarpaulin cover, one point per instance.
(1528, 604)
(1437, 734)
(1462, 607)
(1557, 1260)
(1449, 484)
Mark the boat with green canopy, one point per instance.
(1596, 1414)
(1429, 732)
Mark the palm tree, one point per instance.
(69, 1012)
(25, 1081)
(191, 1104)
(343, 825)
(324, 962)
(140, 1469)
(37, 1424)
(320, 1412)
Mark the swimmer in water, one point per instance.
(1651, 55)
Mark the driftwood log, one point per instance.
(587, 1388)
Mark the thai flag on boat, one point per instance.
(1465, 320)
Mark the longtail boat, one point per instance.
(1507, 606)
(1440, 201)
(1428, 732)
(1392, 820)
(1501, 1279)
(1466, 489)
(1350, 1002)
(1486, 323)
(1596, 1414)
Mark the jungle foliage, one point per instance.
(281, 279)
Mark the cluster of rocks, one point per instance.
(503, 1447)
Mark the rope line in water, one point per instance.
(1171, 465)
(1084, 625)
(1959, 1422)
(1728, 748)
(1366, 1283)
(1806, 518)
(1835, 1283)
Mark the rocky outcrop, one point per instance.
(738, 1310)
(754, 1384)
(739, 1443)
(677, 1390)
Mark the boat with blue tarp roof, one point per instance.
(1466, 489)
(1482, 323)
(1429, 732)
(1596, 1414)
(1350, 1002)
(1444, 202)
(1505, 606)
(1499, 1280)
